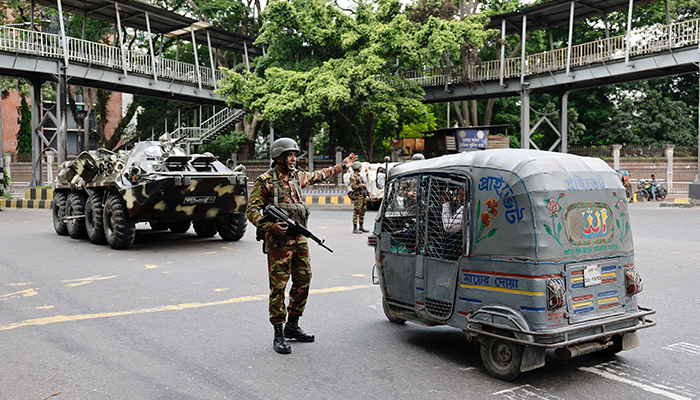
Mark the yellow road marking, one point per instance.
(150, 266)
(44, 307)
(18, 284)
(174, 307)
(23, 293)
(83, 281)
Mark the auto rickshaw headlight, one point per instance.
(555, 293)
(633, 282)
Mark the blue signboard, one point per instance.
(471, 139)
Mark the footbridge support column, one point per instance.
(36, 130)
(525, 118)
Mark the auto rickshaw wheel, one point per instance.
(501, 358)
(391, 315)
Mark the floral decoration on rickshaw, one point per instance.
(622, 225)
(554, 208)
(485, 219)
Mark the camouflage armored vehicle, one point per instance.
(101, 195)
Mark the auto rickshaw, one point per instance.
(523, 250)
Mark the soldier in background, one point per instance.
(358, 195)
(281, 186)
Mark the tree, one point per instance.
(24, 120)
(324, 66)
(645, 117)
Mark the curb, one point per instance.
(45, 203)
(24, 203)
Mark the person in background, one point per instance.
(358, 195)
(654, 185)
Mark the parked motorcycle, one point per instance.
(644, 191)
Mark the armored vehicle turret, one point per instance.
(101, 195)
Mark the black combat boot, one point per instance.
(362, 228)
(293, 331)
(280, 343)
(355, 229)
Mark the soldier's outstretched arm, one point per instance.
(309, 178)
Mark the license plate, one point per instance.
(199, 199)
(591, 275)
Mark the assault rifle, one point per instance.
(274, 214)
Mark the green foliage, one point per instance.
(323, 67)
(645, 116)
(224, 145)
(24, 120)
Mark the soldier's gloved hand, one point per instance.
(279, 228)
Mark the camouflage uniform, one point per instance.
(358, 195)
(293, 258)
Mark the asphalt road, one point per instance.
(179, 317)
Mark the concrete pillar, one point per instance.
(338, 160)
(525, 118)
(36, 140)
(311, 154)
(49, 167)
(564, 122)
(668, 153)
(616, 155)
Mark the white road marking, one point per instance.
(622, 373)
(683, 347)
(526, 392)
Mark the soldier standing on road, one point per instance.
(281, 186)
(359, 199)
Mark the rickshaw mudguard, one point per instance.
(495, 316)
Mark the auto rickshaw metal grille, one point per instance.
(441, 232)
(400, 214)
(438, 308)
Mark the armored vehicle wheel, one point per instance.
(391, 316)
(120, 229)
(501, 358)
(94, 219)
(58, 211)
(205, 228)
(231, 227)
(75, 207)
(158, 226)
(180, 226)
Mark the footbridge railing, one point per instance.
(48, 45)
(641, 42)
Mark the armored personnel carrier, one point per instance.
(101, 195)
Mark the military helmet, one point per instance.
(417, 156)
(281, 145)
(356, 166)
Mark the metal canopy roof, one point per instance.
(132, 14)
(556, 13)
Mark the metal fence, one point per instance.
(633, 151)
